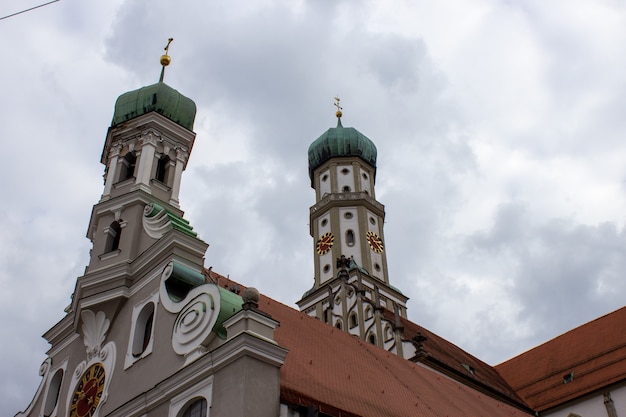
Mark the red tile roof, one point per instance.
(595, 352)
(449, 358)
(344, 376)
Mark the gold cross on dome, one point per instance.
(165, 59)
(339, 108)
(167, 47)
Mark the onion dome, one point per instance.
(158, 97)
(340, 142)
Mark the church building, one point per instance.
(151, 332)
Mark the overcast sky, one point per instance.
(499, 126)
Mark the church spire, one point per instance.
(351, 279)
(145, 153)
(338, 113)
(165, 59)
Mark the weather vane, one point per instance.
(165, 59)
(339, 108)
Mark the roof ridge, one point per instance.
(568, 332)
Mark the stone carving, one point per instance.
(194, 323)
(182, 154)
(150, 137)
(196, 303)
(250, 298)
(155, 222)
(354, 195)
(45, 366)
(79, 369)
(94, 328)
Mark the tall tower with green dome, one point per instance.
(351, 286)
(145, 153)
(149, 331)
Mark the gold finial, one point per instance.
(339, 108)
(165, 59)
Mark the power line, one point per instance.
(28, 10)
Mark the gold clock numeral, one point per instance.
(375, 242)
(88, 392)
(325, 243)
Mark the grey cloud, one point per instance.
(263, 76)
(563, 273)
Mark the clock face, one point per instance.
(325, 243)
(88, 392)
(375, 242)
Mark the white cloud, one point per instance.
(499, 129)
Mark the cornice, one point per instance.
(200, 370)
(135, 128)
(115, 204)
(248, 344)
(60, 331)
(344, 199)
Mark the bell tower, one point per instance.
(145, 153)
(351, 287)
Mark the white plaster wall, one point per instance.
(376, 258)
(346, 179)
(366, 183)
(375, 226)
(324, 185)
(323, 227)
(337, 311)
(350, 224)
(388, 337)
(408, 349)
(325, 259)
(593, 406)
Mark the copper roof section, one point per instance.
(594, 355)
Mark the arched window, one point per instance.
(371, 338)
(388, 332)
(162, 169)
(114, 232)
(196, 409)
(128, 166)
(53, 393)
(338, 324)
(353, 321)
(350, 237)
(143, 329)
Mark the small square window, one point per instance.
(568, 377)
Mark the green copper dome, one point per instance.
(158, 97)
(340, 141)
